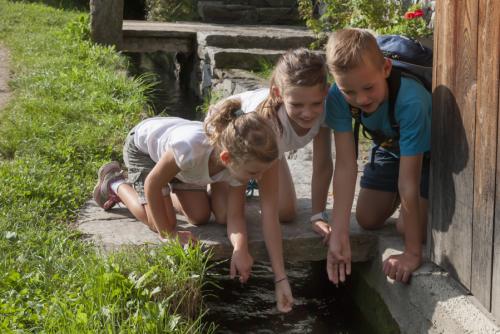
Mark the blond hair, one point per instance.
(296, 68)
(347, 48)
(246, 137)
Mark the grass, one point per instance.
(71, 106)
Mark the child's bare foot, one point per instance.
(323, 229)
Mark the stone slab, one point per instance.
(144, 36)
(242, 12)
(433, 302)
(229, 82)
(144, 28)
(247, 59)
(252, 40)
(116, 228)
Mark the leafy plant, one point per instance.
(171, 10)
(382, 16)
(411, 24)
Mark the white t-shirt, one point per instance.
(189, 144)
(289, 139)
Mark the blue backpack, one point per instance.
(410, 59)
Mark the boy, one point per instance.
(399, 167)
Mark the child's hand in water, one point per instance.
(184, 237)
(284, 298)
(241, 263)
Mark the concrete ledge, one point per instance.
(433, 302)
(116, 228)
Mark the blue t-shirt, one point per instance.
(412, 112)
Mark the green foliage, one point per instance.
(265, 69)
(413, 27)
(382, 16)
(209, 99)
(171, 10)
(79, 28)
(71, 106)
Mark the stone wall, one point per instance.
(249, 11)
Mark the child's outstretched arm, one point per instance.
(321, 177)
(338, 260)
(161, 217)
(400, 267)
(241, 260)
(272, 235)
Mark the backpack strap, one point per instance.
(394, 83)
(356, 114)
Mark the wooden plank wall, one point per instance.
(490, 23)
(453, 132)
(465, 187)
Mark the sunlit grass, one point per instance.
(72, 103)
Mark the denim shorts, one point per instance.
(139, 165)
(384, 173)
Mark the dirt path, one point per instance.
(4, 76)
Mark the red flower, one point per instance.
(418, 13)
(409, 15)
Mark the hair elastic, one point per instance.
(238, 112)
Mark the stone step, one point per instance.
(246, 13)
(256, 3)
(234, 81)
(116, 229)
(247, 59)
(264, 39)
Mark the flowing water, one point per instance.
(319, 307)
(168, 98)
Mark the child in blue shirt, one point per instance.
(398, 172)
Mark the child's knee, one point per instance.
(199, 218)
(367, 221)
(288, 214)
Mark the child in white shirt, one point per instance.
(171, 161)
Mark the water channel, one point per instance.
(319, 308)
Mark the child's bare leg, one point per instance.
(374, 207)
(193, 204)
(141, 212)
(287, 195)
(218, 200)
(423, 207)
(130, 198)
